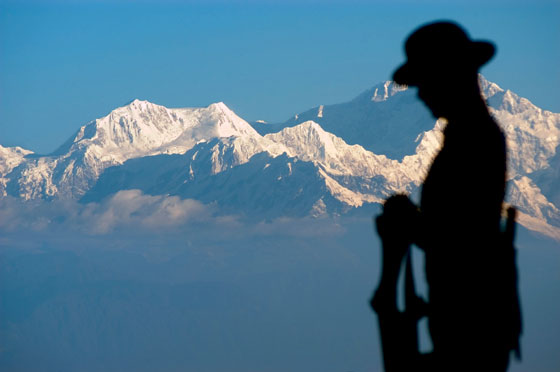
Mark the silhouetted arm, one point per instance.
(398, 330)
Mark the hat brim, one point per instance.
(480, 53)
(403, 75)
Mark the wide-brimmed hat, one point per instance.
(439, 47)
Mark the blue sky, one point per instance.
(65, 63)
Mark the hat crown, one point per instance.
(441, 49)
(441, 37)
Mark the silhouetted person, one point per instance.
(473, 310)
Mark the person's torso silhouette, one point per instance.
(468, 264)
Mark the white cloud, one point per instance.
(132, 208)
(125, 209)
(136, 213)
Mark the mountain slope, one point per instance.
(389, 117)
(10, 157)
(268, 184)
(385, 119)
(305, 168)
(141, 128)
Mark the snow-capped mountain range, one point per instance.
(332, 159)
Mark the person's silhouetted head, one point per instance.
(441, 58)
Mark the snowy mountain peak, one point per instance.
(226, 123)
(138, 129)
(143, 128)
(501, 99)
(309, 126)
(488, 88)
(310, 142)
(306, 138)
(139, 103)
(385, 90)
(6, 151)
(136, 105)
(220, 106)
(10, 157)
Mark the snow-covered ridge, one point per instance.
(324, 172)
(309, 142)
(138, 129)
(10, 157)
(142, 127)
(389, 89)
(533, 134)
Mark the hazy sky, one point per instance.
(65, 63)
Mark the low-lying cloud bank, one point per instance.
(125, 209)
(134, 211)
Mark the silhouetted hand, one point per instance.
(397, 227)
